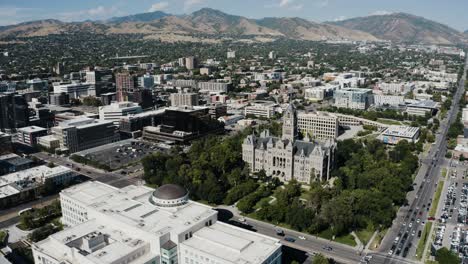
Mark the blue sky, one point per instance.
(450, 12)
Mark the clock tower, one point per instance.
(290, 123)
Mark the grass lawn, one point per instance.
(154, 186)
(378, 239)
(426, 148)
(267, 199)
(388, 121)
(424, 238)
(304, 195)
(364, 235)
(3, 235)
(346, 239)
(22, 227)
(444, 172)
(435, 202)
(326, 234)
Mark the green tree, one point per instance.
(320, 259)
(445, 256)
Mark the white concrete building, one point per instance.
(465, 114)
(116, 110)
(184, 99)
(213, 87)
(140, 225)
(396, 88)
(261, 109)
(318, 125)
(75, 89)
(394, 134)
(388, 100)
(49, 142)
(272, 55)
(315, 94)
(24, 185)
(288, 158)
(28, 135)
(353, 98)
(420, 108)
(231, 54)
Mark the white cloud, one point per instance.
(188, 4)
(381, 13)
(322, 3)
(96, 13)
(297, 7)
(285, 3)
(340, 18)
(158, 6)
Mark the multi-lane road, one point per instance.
(115, 179)
(308, 244)
(402, 238)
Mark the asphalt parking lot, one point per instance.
(119, 154)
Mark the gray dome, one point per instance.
(170, 192)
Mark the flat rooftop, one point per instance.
(8, 190)
(401, 131)
(131, 205)
(33, 173)
(424, 104)
(232, 244)
(81, 122)
(31, 129)
(48, 138)
(117, 245)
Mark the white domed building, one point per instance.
(170, 195)
(137, 224)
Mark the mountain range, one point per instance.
(404, 27)
(213, 25)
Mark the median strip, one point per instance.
(435, 202)
(423, 241)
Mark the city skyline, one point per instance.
(13, 12)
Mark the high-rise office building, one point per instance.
(191, 63)
(59, 99)
(75, 90)
(213, 87)
(144, 97)
(101, 79)
(184, 99)
(14, 112)
(125, 84)
(38, 85)
(146, 81)
(117, 110)
(231, 54)
(183, 124)
(353, 98)
(28, 135)
(59, 68)
(83, 133)
(272, 55)
(108, 98)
